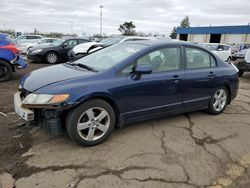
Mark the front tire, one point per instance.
(218, 101)
(6, 72)
(51, 57)
(91, 123)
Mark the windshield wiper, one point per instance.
(83, 66)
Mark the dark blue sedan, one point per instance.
(125, 83)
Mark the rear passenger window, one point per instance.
(196, 58)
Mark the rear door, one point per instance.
(200, 78)
(159, 92)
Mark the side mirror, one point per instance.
(140, 70)
(143, 69)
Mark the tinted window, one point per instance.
(71, 43)
(196, 58)
(165, 59)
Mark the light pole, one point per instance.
(101, 7)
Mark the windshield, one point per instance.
(110, 56)
(111, 41)
(58, 42)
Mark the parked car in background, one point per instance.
(23, 48)
(243, 65)
(9, 58)
(55, 52)
(240, 55)
(81, 50)
(28, 39)
(125, 83)
(221, 50)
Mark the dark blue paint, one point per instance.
(242, 29)
(150, 96)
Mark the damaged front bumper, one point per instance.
(49, 119)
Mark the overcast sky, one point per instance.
(148, 15)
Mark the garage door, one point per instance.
(234, 39)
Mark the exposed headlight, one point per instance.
(37, 51)
(44, 99)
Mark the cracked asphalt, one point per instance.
(188, 150)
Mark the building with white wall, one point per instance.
(215, 34)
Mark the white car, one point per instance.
(23, 48)
(221, 50)
(28, 39)
(82, 49)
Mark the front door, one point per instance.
(159, 92)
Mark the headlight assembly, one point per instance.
(44, 99)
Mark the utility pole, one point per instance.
(101, 7)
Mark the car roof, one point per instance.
(159, 43)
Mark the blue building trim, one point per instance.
(241, 29)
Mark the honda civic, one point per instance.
(125, 83)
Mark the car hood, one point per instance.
(49, 75)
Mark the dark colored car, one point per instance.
(9, 58)
(55, 52)
(125, 83)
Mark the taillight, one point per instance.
(11, 47)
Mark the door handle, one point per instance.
(211, 74)
(176, 78)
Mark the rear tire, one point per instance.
(91, 123)
(6, 72)
(218, 101)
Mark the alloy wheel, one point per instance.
(220, 99)
(93, 124)
(52, 58)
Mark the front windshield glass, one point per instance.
(111, 41)
(58, 42)
(110, 56)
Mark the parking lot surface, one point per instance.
(189, 150)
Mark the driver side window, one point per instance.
(161, 60)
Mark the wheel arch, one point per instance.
(105, 98)
(226, 85)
